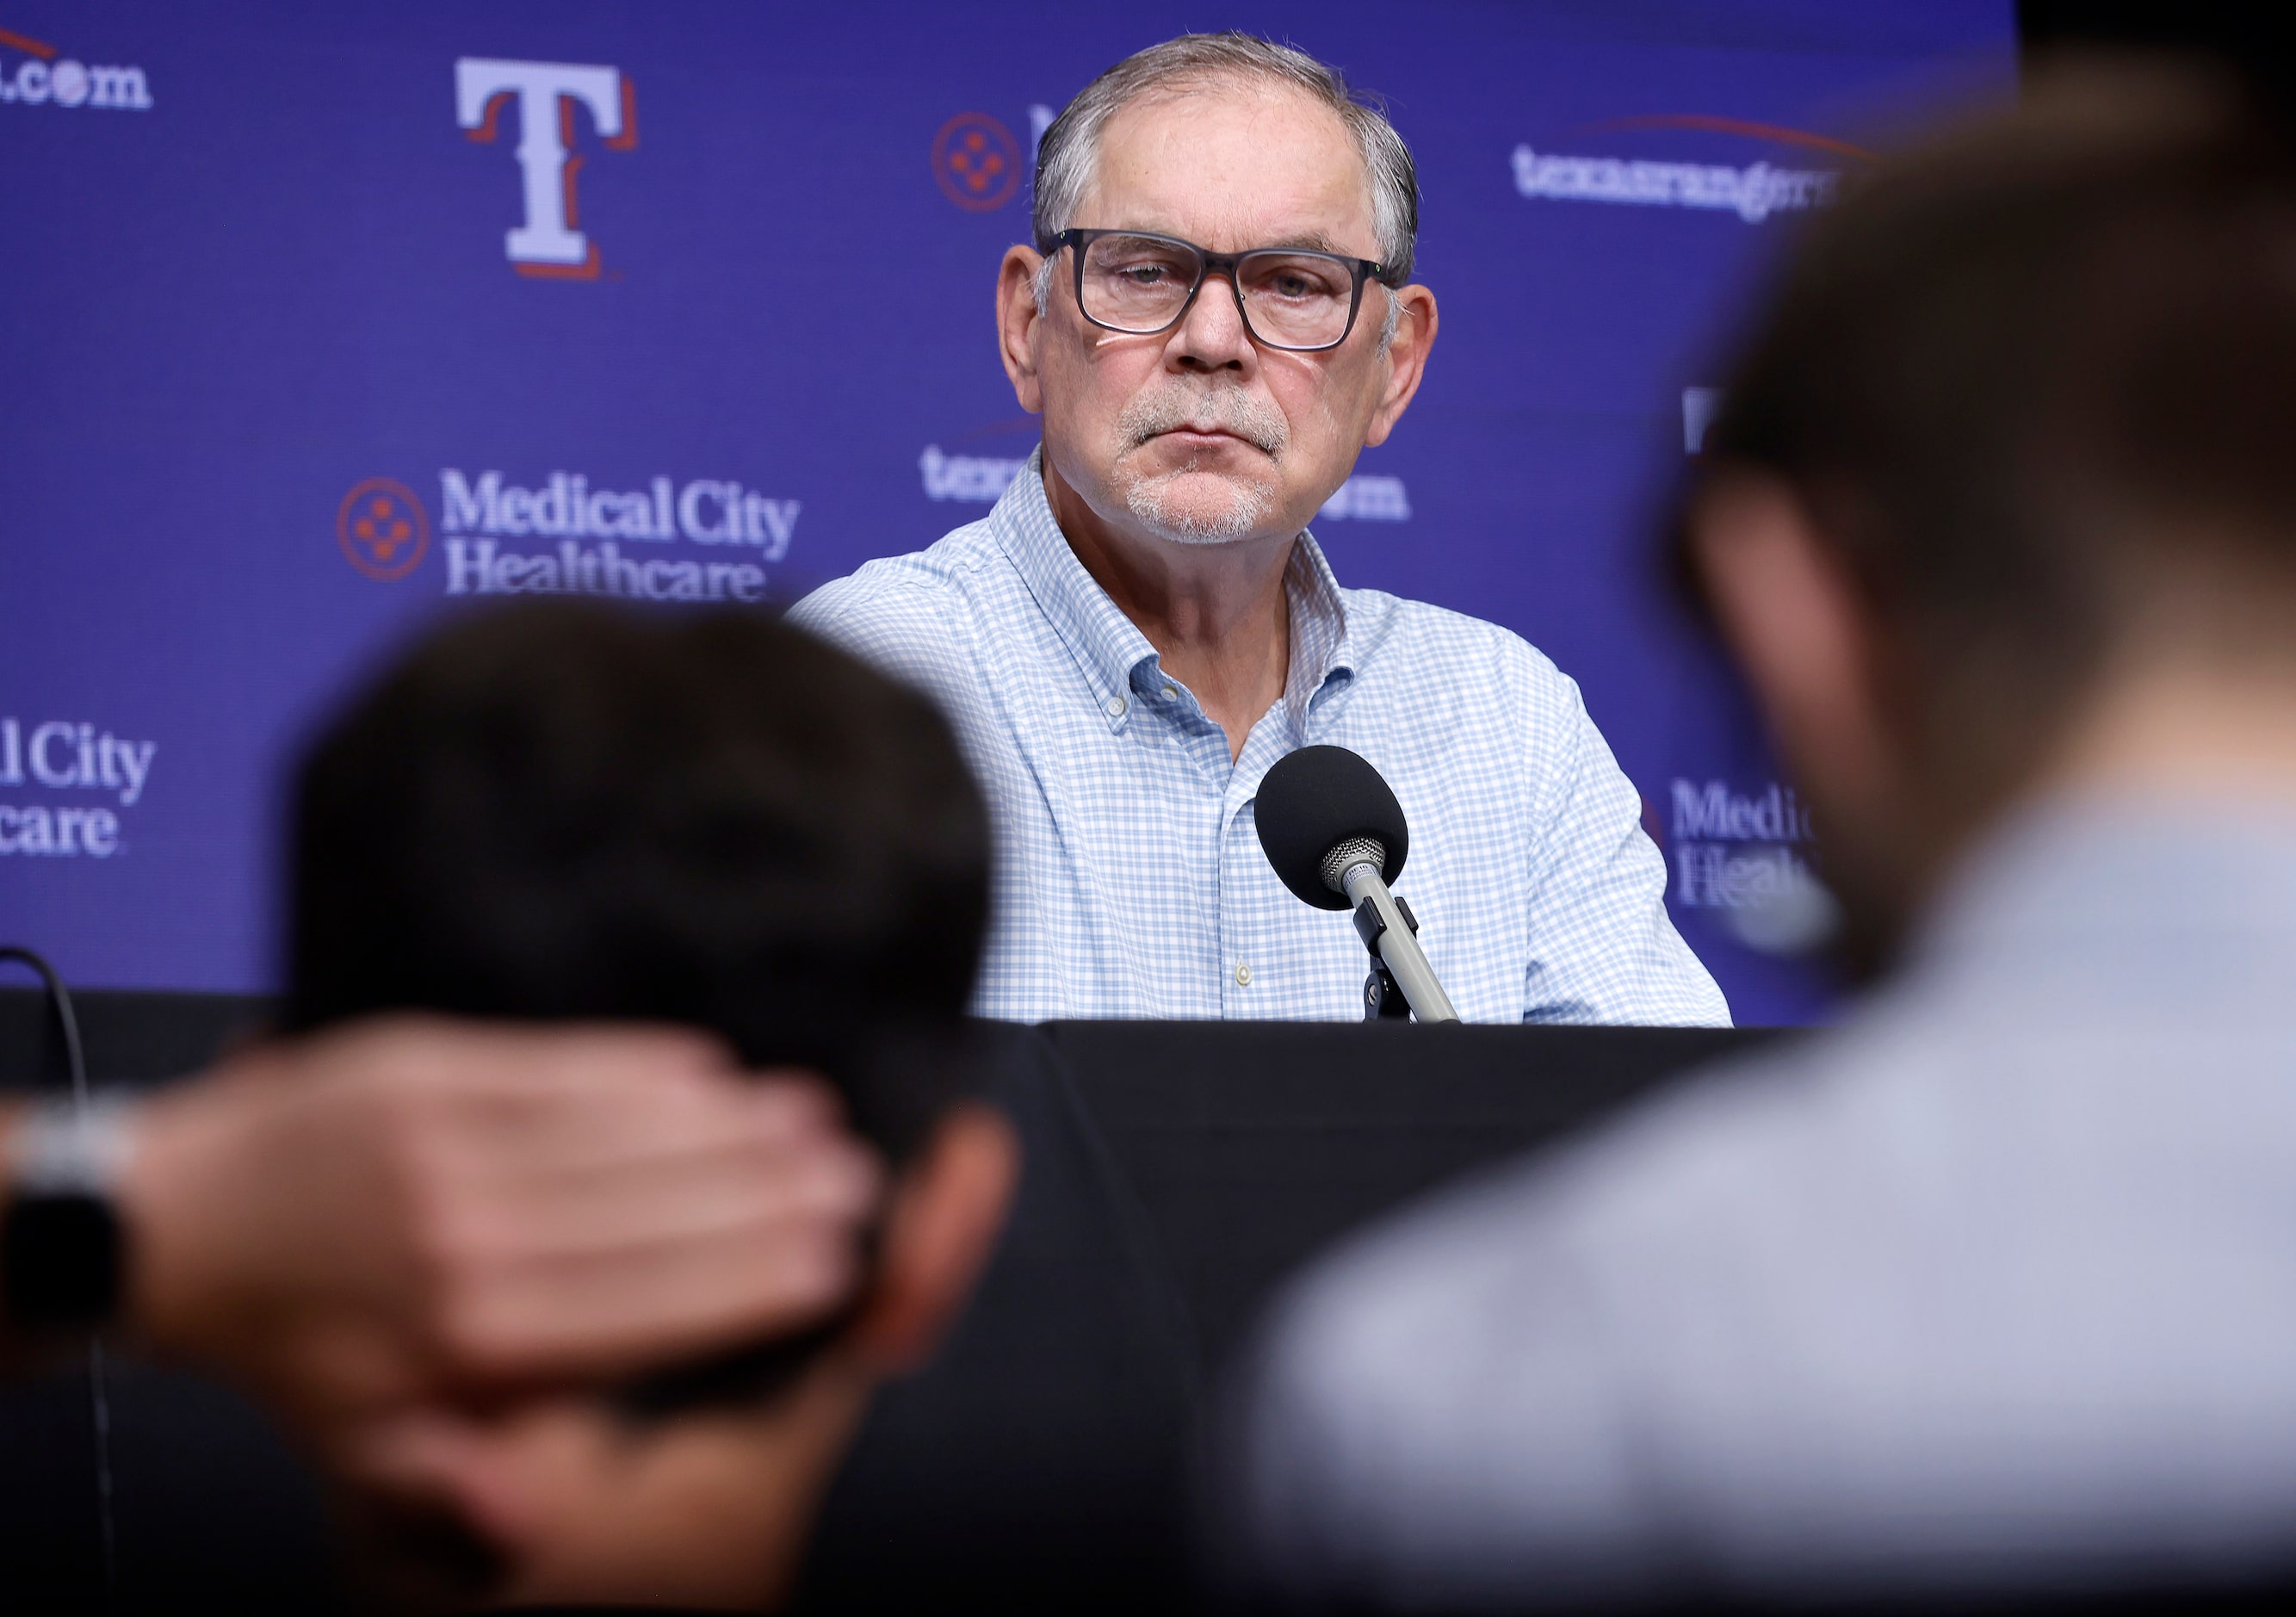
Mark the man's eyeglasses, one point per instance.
(1291, 298)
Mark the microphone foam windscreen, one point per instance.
(1315, 799)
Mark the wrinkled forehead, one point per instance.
(1232, 163)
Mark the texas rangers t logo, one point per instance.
(548, 243)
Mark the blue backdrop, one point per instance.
(315, 321)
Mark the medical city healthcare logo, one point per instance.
(542, 96)
(34, 73)
(1754, 193)
(93, 777)
(561, 535)
(1747, 856)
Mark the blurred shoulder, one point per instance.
(1465, 1385)
(1706, 1146)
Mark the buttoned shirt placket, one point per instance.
(1122, 675)
(1316, 673)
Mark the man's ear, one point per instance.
(1801, 633)
(946, 1212)
(1405, 361)
(563, 1501)
(438, 1489)
(1016, 324)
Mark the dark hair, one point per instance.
(568, 810)
(2014, 374)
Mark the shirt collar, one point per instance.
(1108, 648)
(1107, 645)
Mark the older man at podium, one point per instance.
(1216, 318)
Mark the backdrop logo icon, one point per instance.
(383, 529)
(977, 161)
(548, 243)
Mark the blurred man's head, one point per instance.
(1196, 427)
(567, 812)
(2002, 496)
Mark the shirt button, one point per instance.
(1243, 975)
(1116, 707)
(1169, 693)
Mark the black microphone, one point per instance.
(1336, 837)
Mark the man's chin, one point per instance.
(1202, 508)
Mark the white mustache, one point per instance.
(1219, 410)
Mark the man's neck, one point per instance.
(2187, 731)
(2165, 730)
(1217, 614)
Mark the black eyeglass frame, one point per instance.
(1076, 239)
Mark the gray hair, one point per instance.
(1071, 149)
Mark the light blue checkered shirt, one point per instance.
(1130, 879)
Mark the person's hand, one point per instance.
(414, 1209)
(565, 1498)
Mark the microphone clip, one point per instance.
(1383, 997)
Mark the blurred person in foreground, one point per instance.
(1214, 318)
(561, 813)
(1991, 1289)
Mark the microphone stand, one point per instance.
(1383, 1001)
(1399, 971)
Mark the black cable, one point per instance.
(99, 1400)
(59, 1002)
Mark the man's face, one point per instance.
(1198, 434)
